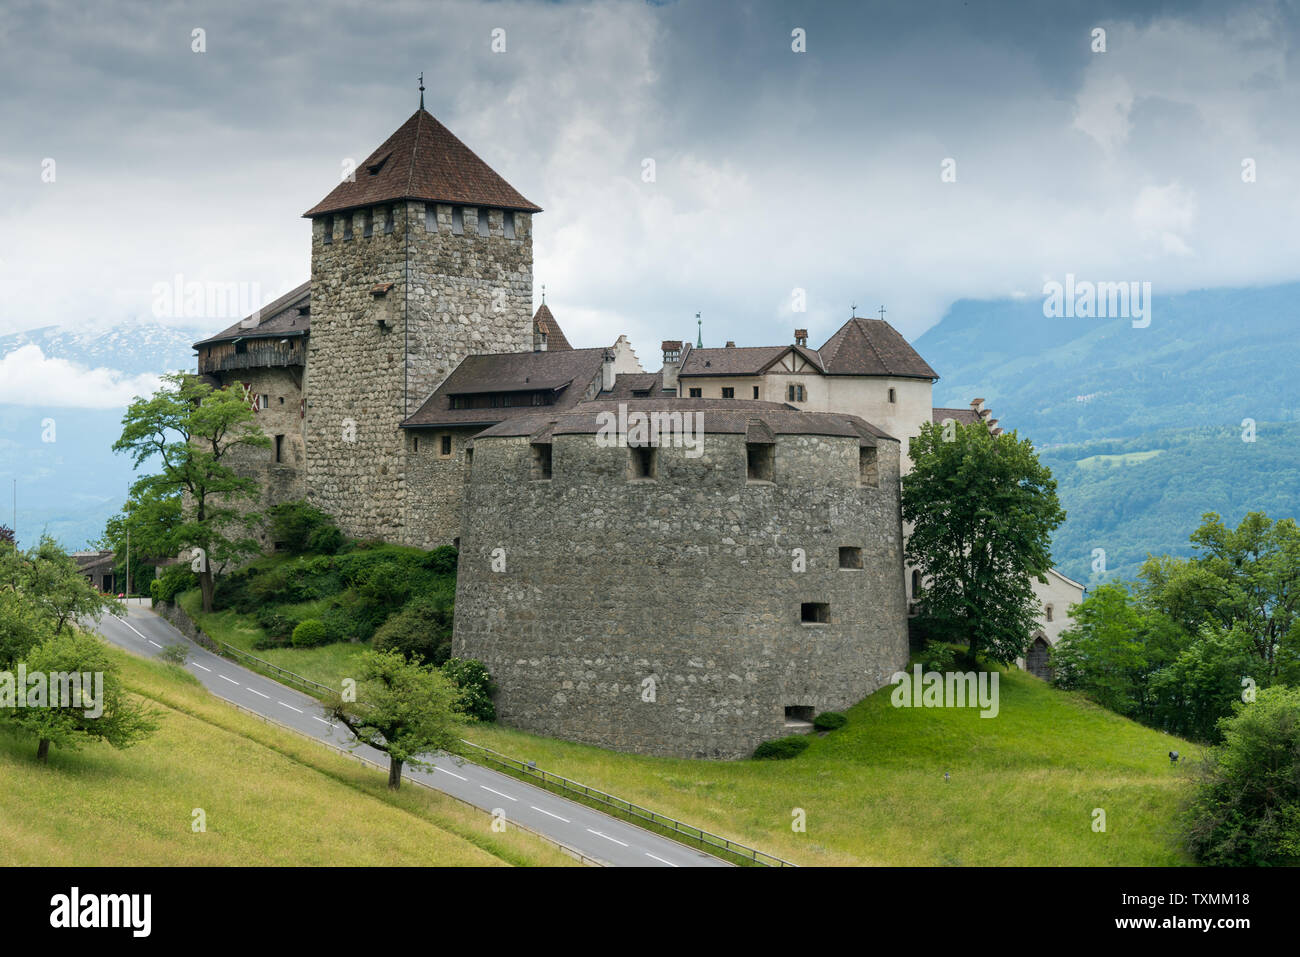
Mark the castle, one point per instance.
(678, 598)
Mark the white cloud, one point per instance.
(29, 377)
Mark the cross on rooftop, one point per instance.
(882, 312)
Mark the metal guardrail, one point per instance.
(699, 835)
(571, 851)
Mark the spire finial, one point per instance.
(421, 89)
(543, 294)
(882, 312)
(699, 336)
(853, 310)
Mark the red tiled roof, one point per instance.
(423, 160)
(545, 323)
(960, 416)
(872, 347)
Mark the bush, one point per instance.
(442, 560)
(830, 721)
(938, 656)
(1245, 810)
(325, 540)
(476, 687)
(421, 630)
(310, 633)
(176, 579)
(294, 524)
(277, 625)
(781, 749)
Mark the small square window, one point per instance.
(760, 458)
(755, 392)
(263, 401)
(728, 392)
(641, 462)
(697, 393)
(815, 613)
(458, 220)
(850, 556)
(482, 221)
(508, 224)
(541, 461)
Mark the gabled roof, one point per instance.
(281, 318)
(569, 372)
(423, 160)
(742, 360)
(627, 384)
(872, 347)
(545, 323)
(960, 416)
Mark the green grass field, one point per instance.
(271, 797)
(1021, 791)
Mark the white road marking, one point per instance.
(231, 680)
(606, 837)
(549, 814)
(289, 706)
(452, 773)
(197, 665)
(258, 693)
(152, 642)
(506, 796)
(661, 860)
(321, 720)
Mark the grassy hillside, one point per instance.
(1021, 791)
(271, 797)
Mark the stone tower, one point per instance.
(424, 255)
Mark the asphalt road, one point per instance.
(597, 835)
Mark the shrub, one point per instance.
(781, 749)
(1245, 810)
(325, 540)
(175, 653)
(277, 624)
(176, 579)
(829, 721)
(442, 560)
(476, 687)
(294, 524)
(310, 633)
(420, 630)
(938, 656)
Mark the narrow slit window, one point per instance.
(430, 218)
(541, 461)
(446, 445)
(482, 221)
(327, 230)
(389, 220)
(279, 449)
(868, 473)
(893, 396)
(458, 220)
(368, 224)
(347, 227)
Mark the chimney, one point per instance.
(976, 405)
(801, 337)
(731, 344)
(607, 376)
(672, 362)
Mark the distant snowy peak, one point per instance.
(133, 347)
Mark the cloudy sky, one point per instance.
(775, 170)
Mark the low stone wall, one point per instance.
(176, 615)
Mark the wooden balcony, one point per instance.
(251, 354)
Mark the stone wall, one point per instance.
(686, 580)
(435, 484)
(374, 355)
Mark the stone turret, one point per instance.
(422, 257)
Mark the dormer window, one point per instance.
(374, 168)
